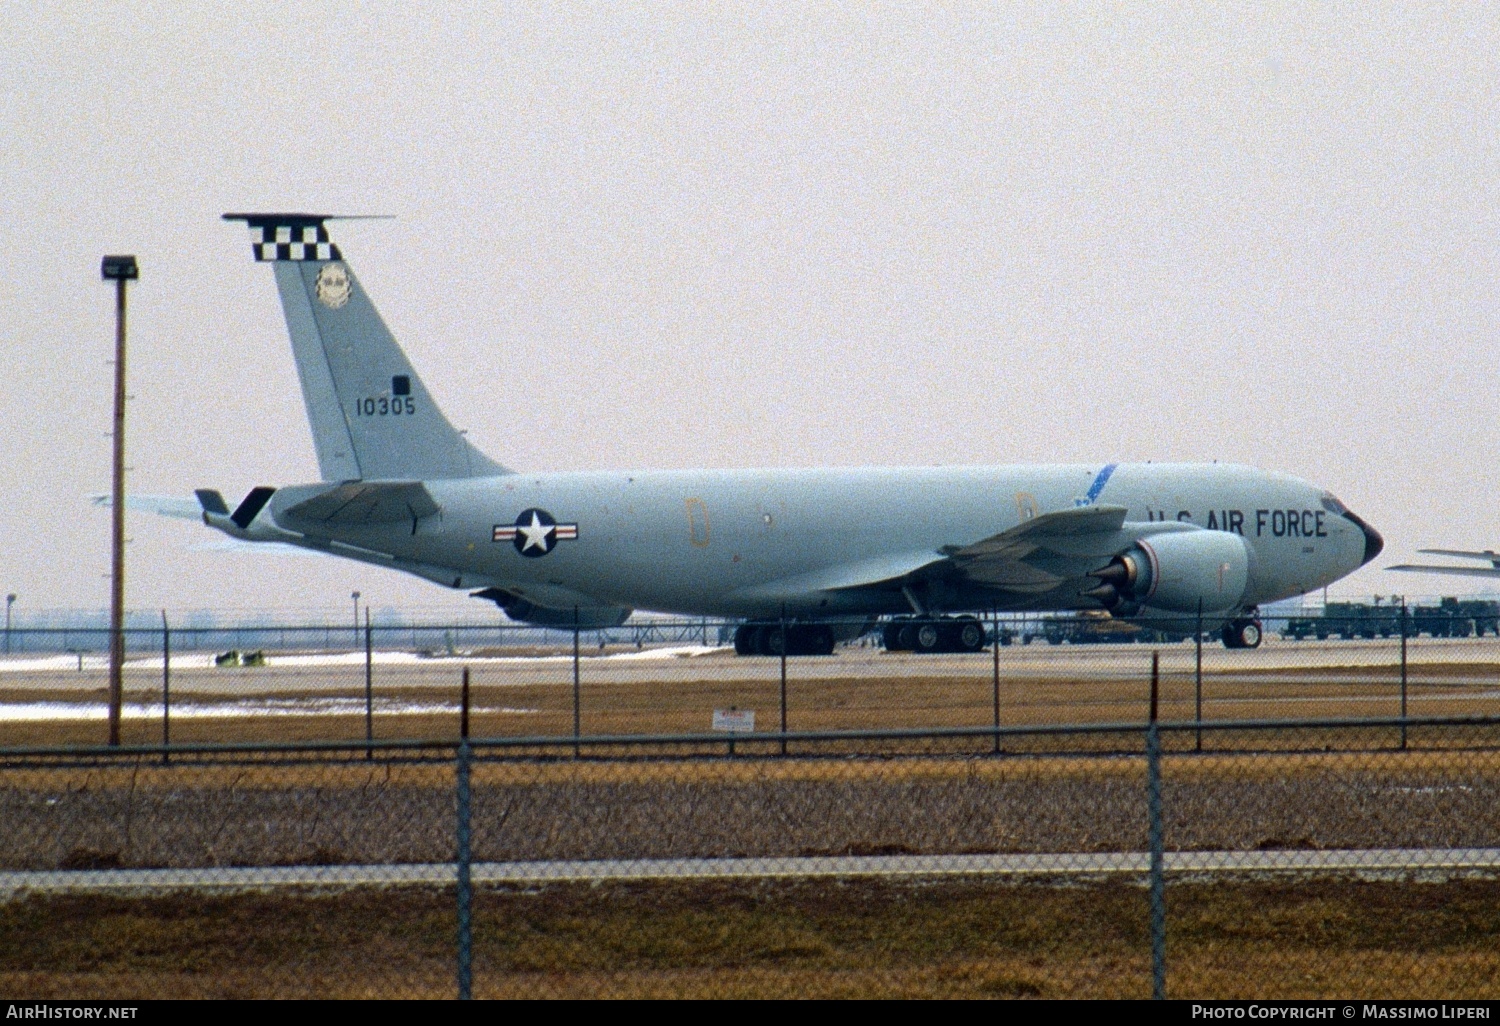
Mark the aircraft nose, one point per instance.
(1373, 542)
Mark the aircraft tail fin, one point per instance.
(371, 416)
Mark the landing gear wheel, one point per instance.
(744, 640)
(819, 641)
(890, 637)
(772, 640)
(928, 637)
(1242, 634)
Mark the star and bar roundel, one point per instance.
(535, 533)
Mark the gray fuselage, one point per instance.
(755, 543)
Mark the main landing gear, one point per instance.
(774, 639)
(1244, 632)
(929, 634)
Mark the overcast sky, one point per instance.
(776, 235)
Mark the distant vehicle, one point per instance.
(1347, 620)
(1456, 618)
(1450, 618)
(1484, 613)
(1096, 627)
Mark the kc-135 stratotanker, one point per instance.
(805, 557)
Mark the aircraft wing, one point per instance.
(1081, 538)
(1001, 560)
(1456, 571)
(1488, 555)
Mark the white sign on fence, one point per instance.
(735, 721)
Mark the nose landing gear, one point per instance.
(1244, 632)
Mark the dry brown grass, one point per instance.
(139, 813)
(845, 938)
(684, 705)
(143, 774)
(869, 691)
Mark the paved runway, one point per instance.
(1376, 862)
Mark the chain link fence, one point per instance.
(1304, 858)
(200, 685)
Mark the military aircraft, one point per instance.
(805, 557)
(1487, 555)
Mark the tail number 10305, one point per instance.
(385, 406)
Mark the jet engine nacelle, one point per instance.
(1173, 572)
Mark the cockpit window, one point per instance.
(1333, 505)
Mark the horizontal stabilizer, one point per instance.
(173, 506)
(212, 502)
(362, 502)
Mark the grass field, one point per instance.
(139, 813)
(1237, 937)
(833, 938)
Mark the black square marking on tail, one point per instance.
(401, 385)
(288, 237)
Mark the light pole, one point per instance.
(118, 269)
(355, 597)
(10, 600)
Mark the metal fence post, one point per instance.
(577, 696)
(785, 644)
(465, 883)
(1404, 632)
(995, 674)
(369, 690)
(463, 708)
(1198, 679)
(1153, 812)
(166, 689)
